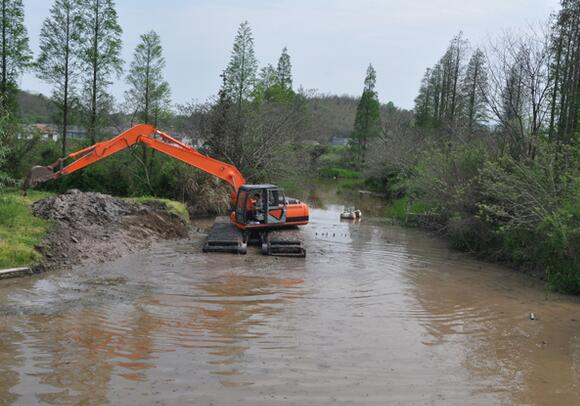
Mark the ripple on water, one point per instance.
(374, 314)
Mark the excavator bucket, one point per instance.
(38, 175)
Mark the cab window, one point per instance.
(273, 199)
(240, 204)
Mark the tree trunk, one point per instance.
(555, 90)
(66, 83)
(4, 59)
(94, 84)
(472, 98)
(455, 81)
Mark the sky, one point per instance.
(331, 42)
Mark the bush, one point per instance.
(534, 206)
(405, 210)
(5, 178)
(335, 162)
(447, 179)
(524, 211)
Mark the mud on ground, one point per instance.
(94, 227)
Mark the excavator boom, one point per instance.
(258, 210)
(143, 134)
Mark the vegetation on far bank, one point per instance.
(492, 157)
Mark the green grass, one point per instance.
(401, 209)
(177, 208)
(20, 231)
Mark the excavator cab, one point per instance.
(260, 206)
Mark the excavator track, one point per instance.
(286, 242)
(226, 237)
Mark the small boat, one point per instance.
(351, 214)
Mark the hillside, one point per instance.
(35, 108)
(333, 115)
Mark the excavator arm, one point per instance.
(143, 134)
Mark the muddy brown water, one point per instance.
(375, 315)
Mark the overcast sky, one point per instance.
(330, 42)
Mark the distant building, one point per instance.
(46, 131)
(54, 132)
(338, 140)
(76, 132)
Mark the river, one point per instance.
(375, 315)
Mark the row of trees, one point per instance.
(253, 122)
(250, 123)
(452, 92)
(256, 115)
(492, 159)
(80, 55)
(524, 83)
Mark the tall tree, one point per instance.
(148, 94)
(514, 98)
(424, 102)
(101, 58)
(474, 89)
(240, 74)
(268, 76)
(565, 73)
(452, 65)
(239, 85)
(59, 62)
(440, 100)
(15, 54)
(284, 70)
(436, 85)
(367, 123)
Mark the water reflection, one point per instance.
(485, 309)
(235, 310)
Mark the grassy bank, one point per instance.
(20, 231)
(174, 207)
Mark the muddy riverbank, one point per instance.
(375, 315)
(94, 227)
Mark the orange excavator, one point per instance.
(259, 213)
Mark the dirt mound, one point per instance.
(80, 208)
(93, 227)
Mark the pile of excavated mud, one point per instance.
(94, 227)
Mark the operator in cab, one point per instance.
(254, 207)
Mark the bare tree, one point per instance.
(564, 103)
(519, 86)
